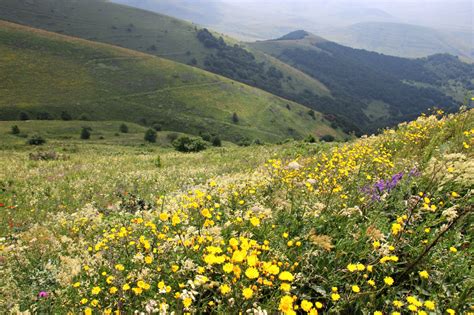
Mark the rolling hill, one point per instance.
(156, 34)
(404, 40)
(45, 74)
(371, 88)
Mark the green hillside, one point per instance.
(371, 89)
(156, 34)
(44, 74)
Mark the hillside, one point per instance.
(377, 225)
(370, 88)
(402, 40)
(159, 35)
(45, 74)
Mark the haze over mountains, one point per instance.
(287, 82)
(402, 27)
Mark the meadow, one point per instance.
(378, 225)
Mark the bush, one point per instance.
(187, 144)
(150, 136)
(84, 117)
(216, 142)
(36, 140)
(44, 116)
(310, 139)
(123, 128)
(235, 118)
(85, 133)
(205, 136)
(312, 114)
(24, 116)
(156, 126)
(65, 116)
(15, 130)
(47, 156)
(327, 138)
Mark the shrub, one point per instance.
(84, 117)
(216, 142)
(312, 114)
(156, 126)
(187, 144)
(310, 139)
(150, 136)
(85, 133)
(65, 116)
(327, 138)
(36, 140)
(205, 136)
(235, 118)
(47, 156)
(44, 116)
(24, 116)
(15, 130)
(123, 128)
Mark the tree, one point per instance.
(235, 118)
(84, 117)
(65, 116)
(15, 130)
(327, 138)
(36, 140)
(85, 133)
(187, 144)
(216, 142)
(123, 128)
(150, 135)
(24, 116)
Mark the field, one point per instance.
(46, 73)
(379, 225)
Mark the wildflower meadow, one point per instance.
(378, 225)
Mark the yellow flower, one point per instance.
(252, 260)
(126, 287)
(376, 244)
(396, 228)
(397, 303)
(286, 276)
(306, 305)
(164, 216)
(319, 305)
(247, 293)
(119, 267)
(450, 311)
(95, 290)
(225, 289)
(378, 313)
(148, 259)
(286, 304)
(453, 249)
(76, 285)
(335, 296)
(355, 289)
(228, 267)
(251, 273)
(352, 267)
(255, 221)
(423, 274)
(84, 301)
(88, 311)
(137, 291)
(110, 279)
(286, 287)
(371, 282)
(430, 305)
(187, 302)
(174, 268)
(388, 281)
(113, 290)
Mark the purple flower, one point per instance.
(382, 185)
(43, 294)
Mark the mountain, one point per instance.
(46, 75)
(403, 40)
(373, 89)
(406, 29)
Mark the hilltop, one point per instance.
(46, 74)
(373, 89)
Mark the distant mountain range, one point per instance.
(355, 90)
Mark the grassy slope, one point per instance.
(133, 28)
(48, 72)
